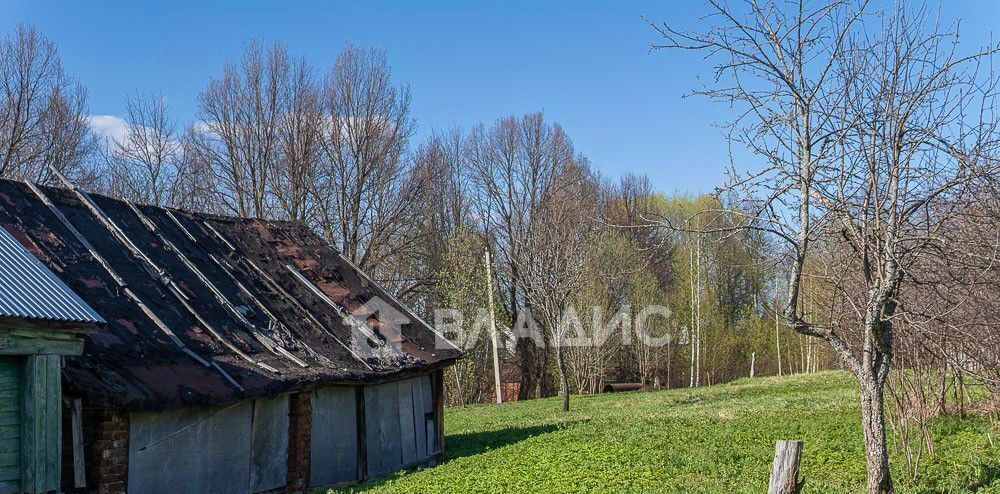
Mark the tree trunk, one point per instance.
(525, 350)
(563, 378)
(691, 328)
(785, 468)
(669, 356)
(777, 335)
(960, 392)
(543, 373)
(873, 424)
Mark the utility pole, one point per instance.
(493, 325)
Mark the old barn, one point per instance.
(41, 320)
(238, 355)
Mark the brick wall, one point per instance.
(106, 450)
(299, 441)
(510, 390)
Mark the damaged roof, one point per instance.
(209, 310)
(29, 290)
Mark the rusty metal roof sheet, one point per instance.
(29, 290)
(209, 310)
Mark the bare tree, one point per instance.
(239, 133)
(446, 156)
(444, 207)
(514, 163)
(867, 124)
(557, 257)
(146, 163)
(197, 188)
(367, 193)
(43, 118)
(949, 313)
(298, 164)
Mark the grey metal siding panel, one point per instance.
(192, 450)
(269, 468)
(334, 450)
(28, 289)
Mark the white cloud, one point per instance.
(115, 130)
(202, 127)
(108, 127)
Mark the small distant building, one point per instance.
(510, 382)
(238, 355)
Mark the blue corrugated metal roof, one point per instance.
(29, 290)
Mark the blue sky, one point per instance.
(586, 64)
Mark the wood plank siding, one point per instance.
(11, 382)
(236, 449)
(334, 447)
(400, 425)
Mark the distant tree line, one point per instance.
(278, 138)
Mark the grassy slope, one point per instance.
(711, 440)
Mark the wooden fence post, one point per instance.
(785, 468)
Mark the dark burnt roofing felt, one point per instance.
(209, 310)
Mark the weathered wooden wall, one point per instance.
(356, 432)
(41, 441)
(399, 425)
(269, 449)
(11, 402)
(237, 449)
(334, 444)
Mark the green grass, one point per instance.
(709, 440)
